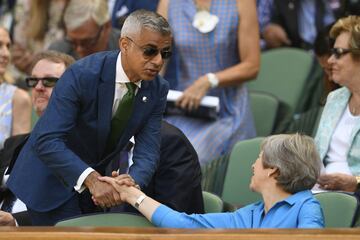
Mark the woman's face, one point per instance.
(260, 174)
(4, 50)
(345, 70)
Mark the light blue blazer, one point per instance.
(335, 106)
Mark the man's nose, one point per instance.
(39, 85)
(158, 60)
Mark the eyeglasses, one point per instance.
(46, 81)
(87, 42)
(152, 51)
(339, 52)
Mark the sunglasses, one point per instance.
(150, 51)
(85, 43)
(339, 52)
(46, 81)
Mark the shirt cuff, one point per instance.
(79, 187)
(159, 215)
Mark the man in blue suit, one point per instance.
(66, 151)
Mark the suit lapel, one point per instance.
(106, 92)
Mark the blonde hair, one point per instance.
(77, 12)
(296, 158)
(7, 76)
(350, 24)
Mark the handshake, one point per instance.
(109, 191)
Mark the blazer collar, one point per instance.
(106, 91)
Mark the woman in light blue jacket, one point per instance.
(337, 138)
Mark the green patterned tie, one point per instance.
(121, 117)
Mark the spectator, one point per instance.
(46, 68)
(88, 29)
(38, 23)
(287, 167)
(296, 23)
(215, 59)
(15, 104)
(337, 137)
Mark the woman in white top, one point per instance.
(338, 137)
(15, 104)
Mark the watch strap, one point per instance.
(139, 201)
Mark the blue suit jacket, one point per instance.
(72, 133)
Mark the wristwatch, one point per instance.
(139, 201)
(213, 80)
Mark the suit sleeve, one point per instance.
(51, 131)
(147, 147)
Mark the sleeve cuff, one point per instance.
(79, 187)
(160, 214)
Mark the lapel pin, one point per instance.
(144, 99)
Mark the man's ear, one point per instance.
(123, 44)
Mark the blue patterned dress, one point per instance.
(198, 54)
(6, 96)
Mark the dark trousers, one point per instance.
(75, 206)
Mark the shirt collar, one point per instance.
(291, 200)
(121, 76)
(296, 196)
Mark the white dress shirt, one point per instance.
(18, 206)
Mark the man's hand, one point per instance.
(6, 219)
(103, 193)
(192, 96)
(338, 182)
(275, 36)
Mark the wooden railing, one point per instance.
(91, 233)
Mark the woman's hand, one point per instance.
(191, 98)
(338, 181)
(120, 183)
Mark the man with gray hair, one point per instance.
(97, 105)
(88, 29)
